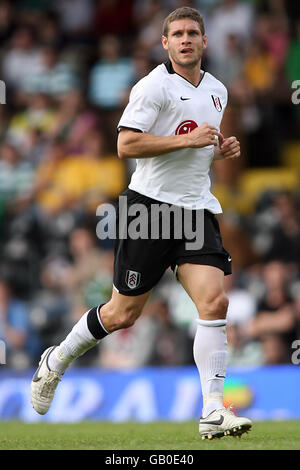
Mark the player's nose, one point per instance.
(185, 40)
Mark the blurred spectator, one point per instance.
(21, 341)
(21, 59)
(260, 68)
(230, 66)
(16, 177)
(150, 17)
(275, 351)
(4, 121)
(50, 305)
(111, 76)
(230, 17)
(75, 17)
(261, 78)
(73, 120)
(275, 313)
(242, 351)
(78, 182)
(47, 192)
(58, 181)
(106, 174)
(29, 8)
(36, 122)
(114, 17)
(7, 22)
(142, 65)
(54, 77)
(88, 277)
(50, 33)
(272, 31)
(109, 80)
(284, 231)
(242, 304)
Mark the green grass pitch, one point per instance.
(275, 435)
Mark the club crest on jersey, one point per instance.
(132, 279)
(186, 127)
(217, 103)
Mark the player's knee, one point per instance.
(215, 308)
(222, 305)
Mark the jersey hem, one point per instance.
(191, 207)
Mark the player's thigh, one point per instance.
(123, 310)
(205, 286)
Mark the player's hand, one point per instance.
(228, 149)
(203, 136)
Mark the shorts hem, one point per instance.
(205, 260)
(134, 292)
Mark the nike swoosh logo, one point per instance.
(220, 376)
(36, 377)
(229, 258)
(217, 422)
(184, 99)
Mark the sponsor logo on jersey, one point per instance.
(217, 103)
(132, 279)
(186, 127)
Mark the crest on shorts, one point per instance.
(217, 103)
(132, 279)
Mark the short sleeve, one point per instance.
(224, 100)
(145, 103)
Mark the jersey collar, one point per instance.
(171, 70)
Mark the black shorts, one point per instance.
(140, 263)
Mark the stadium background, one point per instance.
(68, 67)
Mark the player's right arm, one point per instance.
(132, 144)
(147, 100)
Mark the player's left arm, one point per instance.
(228, 148)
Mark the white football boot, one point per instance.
(223, 422)
(43, 384)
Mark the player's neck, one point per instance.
(192, 74)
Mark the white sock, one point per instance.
(78, 341)
(210, 356)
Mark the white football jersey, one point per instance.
(164, 103)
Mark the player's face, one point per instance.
(185, 43)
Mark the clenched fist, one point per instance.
(228, 148)
(204, 135)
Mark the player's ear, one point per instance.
(164, 41)
(204, 41)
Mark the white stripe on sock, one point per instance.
(99, 319)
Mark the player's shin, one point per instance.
(86, 333)
(210, 351)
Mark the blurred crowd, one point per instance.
(68, 68)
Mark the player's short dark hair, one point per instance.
(182, 13)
